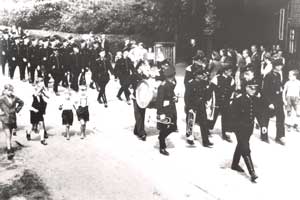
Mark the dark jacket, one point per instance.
(10, 109)
(165, 100)
(244, 110)
(272, 88)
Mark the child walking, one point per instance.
(37, 111)
(67, 113)
(291, 99)
(82, 110)
(10, 105)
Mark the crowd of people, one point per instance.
(243, 86)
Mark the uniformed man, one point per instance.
(102, 76)
(5, 50)
(57, 68)
(123, 70)
(34, 55)
(75, 63)
(66, 50)
(45, 53)
(15, 56)
(94, 53)
(139, 113)
(245, 108)
(166, 109)
(223, 86)
(22, 59)
(272, 94)
(197, 93)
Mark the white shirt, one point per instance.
(292, 88)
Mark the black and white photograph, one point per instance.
(149, 99)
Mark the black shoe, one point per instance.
(226, 138)
(264, 138)
(119, 98)
(253, 178)
(237, 168)
(279, 141)
(46, 134)
(43, 142)
(28, 137)
(143, 137)
(190, 142)
(10, 154)
(14, 133)
(100, 101)
(164, 152)
(105, 105)
(207, 144)
(92, 86)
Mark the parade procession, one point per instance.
(70, 89)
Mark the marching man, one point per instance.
(166, 108)
(245, 108)
(197, 94)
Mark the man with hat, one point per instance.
(272, 95)
(197, 93)
(166, 108)
(245, 108)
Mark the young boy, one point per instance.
(10, 105)
(67, 113)
(291, 95)
(37, 111)
(82, 109)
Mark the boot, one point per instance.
(250, 167)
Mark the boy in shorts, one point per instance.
(291, 95)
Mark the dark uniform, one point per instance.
(223, 87)
(57, 69)
(272, 94)
(165, 103)
(244, 109)
(5, 50)
(102, 78)
(139, 113)
(65, 52)
(123, 70)
(197, 93)
(75, 61)
(94, 53)
(15, 56)
(45, 63)
(33, 61)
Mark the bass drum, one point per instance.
(146, 93)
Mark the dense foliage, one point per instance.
(156, 18)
